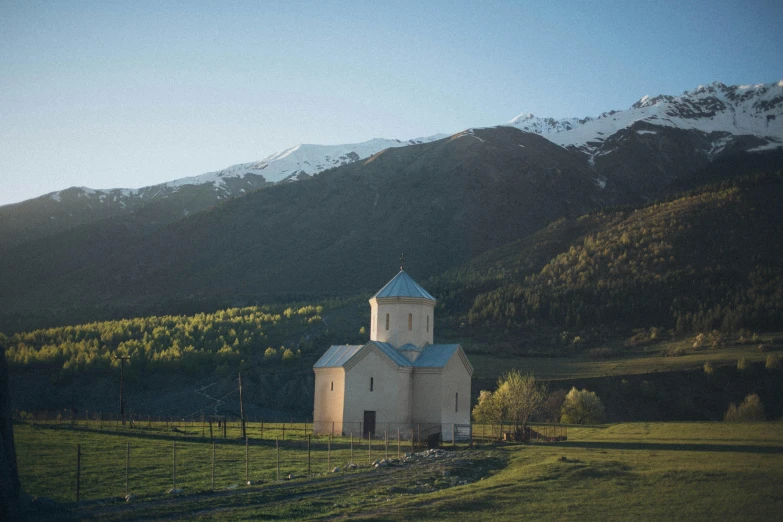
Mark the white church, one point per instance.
(399, 379)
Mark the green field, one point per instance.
(649, 359)
(639, 471)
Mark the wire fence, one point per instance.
(84, 457)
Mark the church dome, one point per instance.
(403, 285)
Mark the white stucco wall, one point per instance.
(384, 399)
(399, 308)
(328, 405)
(455, 380)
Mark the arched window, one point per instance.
(428, 323)
(332, 386)
(456, 402)
(410, 321)
(387, 321)
(371, 383)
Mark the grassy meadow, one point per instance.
(639, 471)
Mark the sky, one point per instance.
(130, 94)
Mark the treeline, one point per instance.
(194, 344)
(708, 260)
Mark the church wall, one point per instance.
(427, 396)
(398, 310)
(383, 399)
(328, 405)
(456, 380)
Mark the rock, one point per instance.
(291, 476)
(129, 497)
(174, 491)
(336, 469)
(352, 466)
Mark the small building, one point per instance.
(399, 379)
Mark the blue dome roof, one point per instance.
(403, 286)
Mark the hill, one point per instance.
(707, 260)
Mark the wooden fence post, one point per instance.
(329, 454)
(78, 470)
(127, 468)
(308, 455)
(213, 463)
(277, 445)
(386, 443)
(398, 442)
(453, 436)
(351, 447)
(174, 468)
(247, 459)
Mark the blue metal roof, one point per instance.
(402, 285)
(392, 353)
(432, 355)
(435, 355)
(337, 356)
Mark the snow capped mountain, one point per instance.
(307, 160)
(755, 110)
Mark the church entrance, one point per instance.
(369, 424)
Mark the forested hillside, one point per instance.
(710, 259)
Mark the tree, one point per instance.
(751, 409)
(520, 397)
(581, 407)
(517, 398)
(487, 410)
(552, 405)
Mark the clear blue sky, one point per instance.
(128, 94)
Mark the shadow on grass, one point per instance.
(656, 446)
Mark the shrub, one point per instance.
(773, 362)
(600, 353)
(743, 364)
(708, 369)
(751, 409)
(581, 407)
(270, 353)
(288, 355)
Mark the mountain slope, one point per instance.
(167, 202)
(440, 203)
(707, 260)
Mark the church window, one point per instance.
(456, 402)
(410, 321)
(428, 323)
(371, 383)
(332, 385)
(387, 321)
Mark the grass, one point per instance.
(646, 471)
(649, 359)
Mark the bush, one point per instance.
(743, 364)
(581, 407)
(773, 362)
(708, 369)
(751, 409)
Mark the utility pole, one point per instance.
(122, 359)
(241, 407)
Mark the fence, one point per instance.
(92, 456)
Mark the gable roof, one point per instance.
(337, 356)
(403, 285)
(432, 355)
(435, 355)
